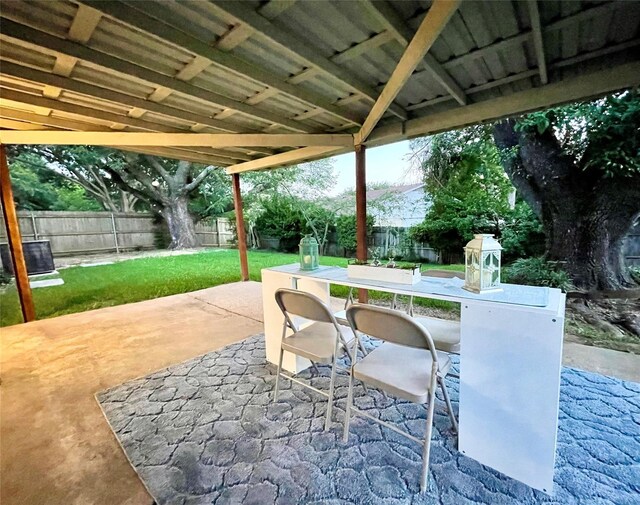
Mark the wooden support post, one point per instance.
(361, 212)
(14, 240)
(242, 236)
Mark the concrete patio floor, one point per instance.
(55, 445)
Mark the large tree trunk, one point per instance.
(180, 223)
(585, 214)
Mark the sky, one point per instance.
(384, 164)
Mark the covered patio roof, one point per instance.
(379, 71)
(254, 85)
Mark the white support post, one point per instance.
(35, 228)
(115, 233)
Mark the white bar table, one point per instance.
(510, 362)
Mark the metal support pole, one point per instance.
(361, 212)
(242, 236)
(14, 240)
(115, 233)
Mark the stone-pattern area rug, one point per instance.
(207, 431)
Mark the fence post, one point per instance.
(115, 233)
(35, 228)
(218, 232)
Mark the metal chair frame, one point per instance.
(436, 378)
(289, 324)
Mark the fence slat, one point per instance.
(102, 232)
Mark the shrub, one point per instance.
(346, 231)
(635, 273)
(522, 235)
(282, 219)
(537, 272)
(5, 278)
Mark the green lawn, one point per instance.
(87, 288)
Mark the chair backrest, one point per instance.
(444, 274)
(300, 303)
(390, 325)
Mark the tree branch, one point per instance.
(199, 178)
(153, 198)
(160, 169)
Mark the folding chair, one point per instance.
(318, 342)
(406, 365)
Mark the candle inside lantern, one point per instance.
(309, 253)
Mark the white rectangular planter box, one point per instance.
(397, 275)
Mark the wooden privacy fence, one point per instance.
(631, 250)
(100, 232)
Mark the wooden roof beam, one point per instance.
(162, 29)
(538, 42)
(520, 38)
(193, 68)
(151, 104)
(84, 24)
(31, 36)
(300, 48)
(530, 73)
(429, 30)
(175, 139)
(10, 124)
(234, 37)
(82, 27)
(571, 90)
(27, 121)
(48, 121)
(403, 34)
(289, 158)
(583, 87)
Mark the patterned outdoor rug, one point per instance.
(207, 431)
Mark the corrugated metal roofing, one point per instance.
(486, 47)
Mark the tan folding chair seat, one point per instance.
(445, 333)
(410, 380)
(317, 341)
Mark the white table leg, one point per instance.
(510, 365)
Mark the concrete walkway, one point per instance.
(55, 445)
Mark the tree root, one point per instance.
(614, 317)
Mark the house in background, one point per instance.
(398, 206)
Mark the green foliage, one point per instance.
(346, 231)
(213, 197)
(635, 273)
(38, 187)
(537, 272)
(75, 198)
(281, 218)
(470, 192)
(600, 135)
(522, 234)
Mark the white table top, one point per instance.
(435, 287)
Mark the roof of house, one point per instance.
(374, 194)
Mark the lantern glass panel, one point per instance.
(309, 257)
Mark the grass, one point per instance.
(88, 288)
